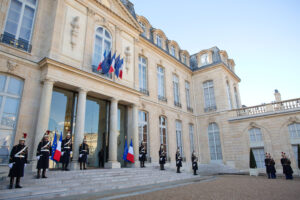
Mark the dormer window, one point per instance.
(144, 28)
(158, 41)
(204, 59)
(173, 50)
(184, 59)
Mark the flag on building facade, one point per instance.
(54, 145)
(113, 60)
(119, 67)
(130, 154)
(57, 153)
(101, 61)
(125, 151)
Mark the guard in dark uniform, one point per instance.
(142, 156)
(17, 162)
(43, 152)
(283, 163)
(267, 164)
(288, 171)
(272, 168)
(194, 162)
(178, 160)
(162, 157)
(83, 154)
(66, 148)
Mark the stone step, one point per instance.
(80, 188)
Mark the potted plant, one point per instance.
(253, 168)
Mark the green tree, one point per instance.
(252, 160)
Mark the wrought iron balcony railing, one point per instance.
(144, 91)
(162, 98)
(178, 104)
(12, 41)
(190, 109)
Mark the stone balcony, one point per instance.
(280, 107)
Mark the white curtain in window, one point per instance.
(179, 136)
(214, 142)
(176, 88)
(142, 73)
(209, 95)
(259, 155)
(294, 130)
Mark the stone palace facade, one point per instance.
(49, 52)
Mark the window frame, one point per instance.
(176, 90)
(161, 127)
(159, 41)
(143, 67)
(192, 138)
(161, 93)
(142, 124)
(179, 132)
(210, 103)
(214, 131)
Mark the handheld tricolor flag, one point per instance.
(54, 146)
(57, 153)
(130, 155)
(125, 151)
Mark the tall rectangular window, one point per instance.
(191, 131)
(143, 75)
(158, 41)
(161, 83)
(187, 95)
(143, 128)
(229, 95)
(179, 136)
(163, 133)
(19, 23)
(259, 155)
(236, 98)
(173, 50)
(209, 96)
(184, 59)
(176, 91)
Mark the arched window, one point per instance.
(257, 145)
(10, 95)
(19, 23)
(143, 129)
(204, 59)
(294, 130)
(255, 135)
(103, 43)
(214, 142)
(163, 133)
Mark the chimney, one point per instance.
(277, 96)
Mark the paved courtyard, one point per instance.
(229, 187)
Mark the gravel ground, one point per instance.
(230, 187)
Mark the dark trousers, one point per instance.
(178, 170)
(82, 163)
(12, 182)
(195, 172)
(269, 175)
(142, 163)
(162, 167)
(289, 176)
(273, 175)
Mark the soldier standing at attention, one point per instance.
(83, 153)
(66, 147)
(272, 167)
(288, 171)
(43, 152)
(178, 160)
(142, 156)
(17, 162)
(283, 163)
(162, 157)
(194, 163)
(267, 164)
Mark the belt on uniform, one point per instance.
(83, 150)
(20, 156)
(45, 150)
(67, 147)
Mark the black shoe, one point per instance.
(38, 176)
(84, 168)
(44, 177)
(10, 186)
(67, 170)
(18, 186)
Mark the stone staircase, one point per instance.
(214, 168)
(66, 183)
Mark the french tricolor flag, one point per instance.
(113, 61)
(130, 154)
(57, 153)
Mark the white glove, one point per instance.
(10, 165)
(38, 157)
(80, 155)
(25, 165)
(71, 152)
(62, 153)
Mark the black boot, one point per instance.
(38, 174)
(80, 165)
(11, 182)
(44, 174)
(141, 164)
(18, 182)
(195, 172)
(66, 167)
(63, 166)
(84, 166)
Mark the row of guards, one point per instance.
(58, 151)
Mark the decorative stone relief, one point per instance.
(11, 66)
(178, 116)
(143, 106)
(160, 62)
(74, 31)
(253, 124)
(163, 111)
(293, 119)
(127, 58)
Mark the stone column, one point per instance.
(113, 136)
(135, 133)
(79, 126)
(43, 116)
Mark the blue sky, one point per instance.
(263, 37)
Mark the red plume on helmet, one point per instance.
(24, 136)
